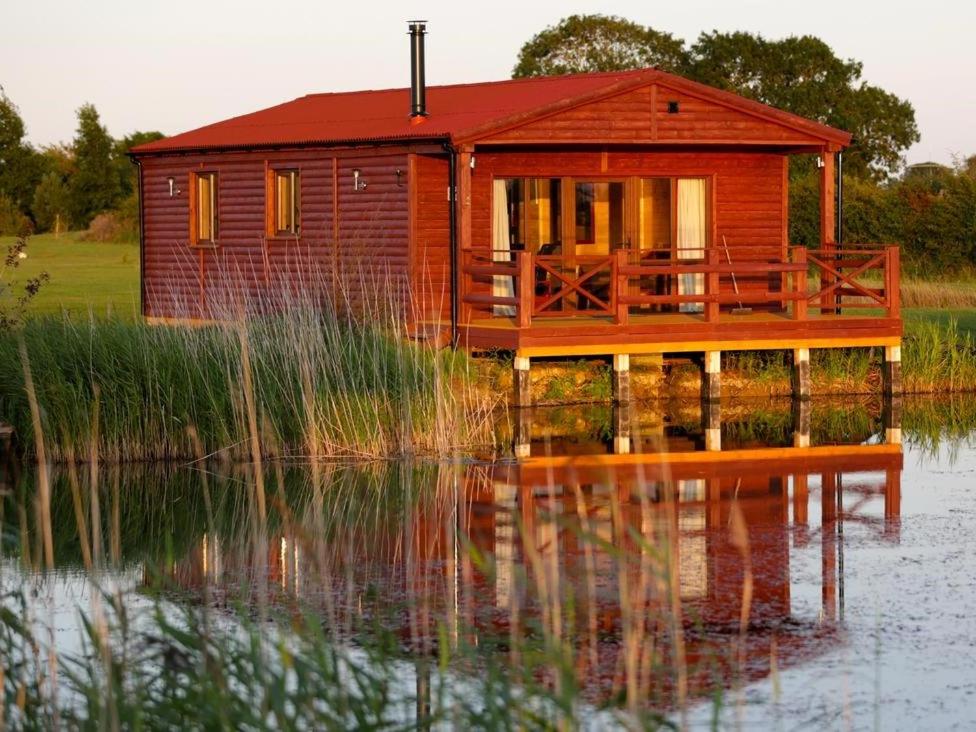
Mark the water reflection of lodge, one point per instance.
(795, 502)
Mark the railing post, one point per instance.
(800, 284)
(465, 283)
(712, 284)
(620, 288)
(526, 288)
(893, 280)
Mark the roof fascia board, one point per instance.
(822, 133)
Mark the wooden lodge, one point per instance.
(605, 214)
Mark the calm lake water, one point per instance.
(635, 535)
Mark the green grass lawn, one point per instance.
(85, 276)
(964, 317)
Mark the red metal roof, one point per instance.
(455, 111)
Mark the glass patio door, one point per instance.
(599, 217)
(691, 237)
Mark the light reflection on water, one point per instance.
(616, 527)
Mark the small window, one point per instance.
(286, 202)
(203, 222)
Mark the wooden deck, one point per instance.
(677, 333)
(620, 305)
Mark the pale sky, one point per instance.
(173, 65)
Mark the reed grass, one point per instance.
(304, 381)
(934, 294)
(936, 358)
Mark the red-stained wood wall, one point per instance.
(353, 246)
(359, 247)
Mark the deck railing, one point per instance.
(709, 282)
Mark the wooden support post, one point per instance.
(622, 428)
(526, 288)
(828, 223)
(621, 288)
(893, 280)
(801, 423)
(523, 433)
(712, 423)
(712, 376)
(464, 196)
(712, 285)
(828, 544)
(828, 200)
(801, 373)
(800, 284)
(892, 503)
(891, 371)
(801, 513)
(521, 382)
(621, 378)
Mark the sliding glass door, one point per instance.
(577, 218)
(599, 217)
(691, 237)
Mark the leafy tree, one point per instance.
(801, 74)
(13, 221)
(95, 185)
(51, 203)
(58, 158)
(19, 165)
(123, 165)
(583, 43)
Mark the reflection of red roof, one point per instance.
(456, 112)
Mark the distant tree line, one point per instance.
(932, 215)
(89, 183)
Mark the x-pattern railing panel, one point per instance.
(570, 284)
(835, 272)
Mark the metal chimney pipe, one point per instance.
(418, 83)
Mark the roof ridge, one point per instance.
(461, 85)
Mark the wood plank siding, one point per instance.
(358, 238)
(644, 114)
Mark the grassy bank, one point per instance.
(301, 383)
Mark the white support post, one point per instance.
(891, 371)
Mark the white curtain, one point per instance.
(502, 285)
(691, 237)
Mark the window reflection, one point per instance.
(600, 216)
(530, 212)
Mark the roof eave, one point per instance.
(136, 152)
